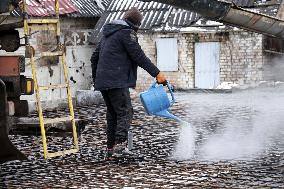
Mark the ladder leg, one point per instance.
(38, 102)
(71, 109)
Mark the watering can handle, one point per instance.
(171, 92)
(170, 89)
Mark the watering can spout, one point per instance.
(167, 114)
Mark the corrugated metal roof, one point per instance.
(46, 7)
(89, 8)
(182, 18)
(156, 15)
(162, 17)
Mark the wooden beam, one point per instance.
(11, 26)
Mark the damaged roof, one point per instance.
(268, 7)
(156, 15)
(163, 17)
(89, 8)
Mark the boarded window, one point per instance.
(273, 45)
(167, 54)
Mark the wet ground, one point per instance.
(238, 144)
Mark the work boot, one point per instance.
(119, 147)
(109, 154)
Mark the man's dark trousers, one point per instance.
(119, 115)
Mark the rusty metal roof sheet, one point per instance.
(70, 8)
(46, 7)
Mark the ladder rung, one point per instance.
(53, 87)
(40, 27)
(56, 53)
(42, 21)
(61, 153)
(56, 120)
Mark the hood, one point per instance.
(115, 26)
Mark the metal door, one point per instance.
(207, 69)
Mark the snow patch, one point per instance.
(227, 85)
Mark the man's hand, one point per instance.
(161, 78)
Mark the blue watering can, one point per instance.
(156, 101)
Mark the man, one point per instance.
(114, 69)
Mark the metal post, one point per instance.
(8, 151)
(25, 16)
(130, 140)
(58, 23)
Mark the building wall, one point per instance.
(241, 57)
(183, 78)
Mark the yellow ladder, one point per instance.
(49, 24)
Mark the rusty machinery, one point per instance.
(12, 86)
(11, 68)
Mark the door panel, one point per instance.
(167, 54)
(207, 69)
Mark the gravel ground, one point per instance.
(238, 144)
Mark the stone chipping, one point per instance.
(154, 140)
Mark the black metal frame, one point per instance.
(8, 151)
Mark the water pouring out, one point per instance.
(156, 102)
(185, 146)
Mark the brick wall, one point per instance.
(241, 57)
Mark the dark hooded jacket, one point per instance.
(117, 56)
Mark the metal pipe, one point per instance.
(229, 13)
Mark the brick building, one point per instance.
(195, 52)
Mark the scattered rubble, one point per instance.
(154, 138)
